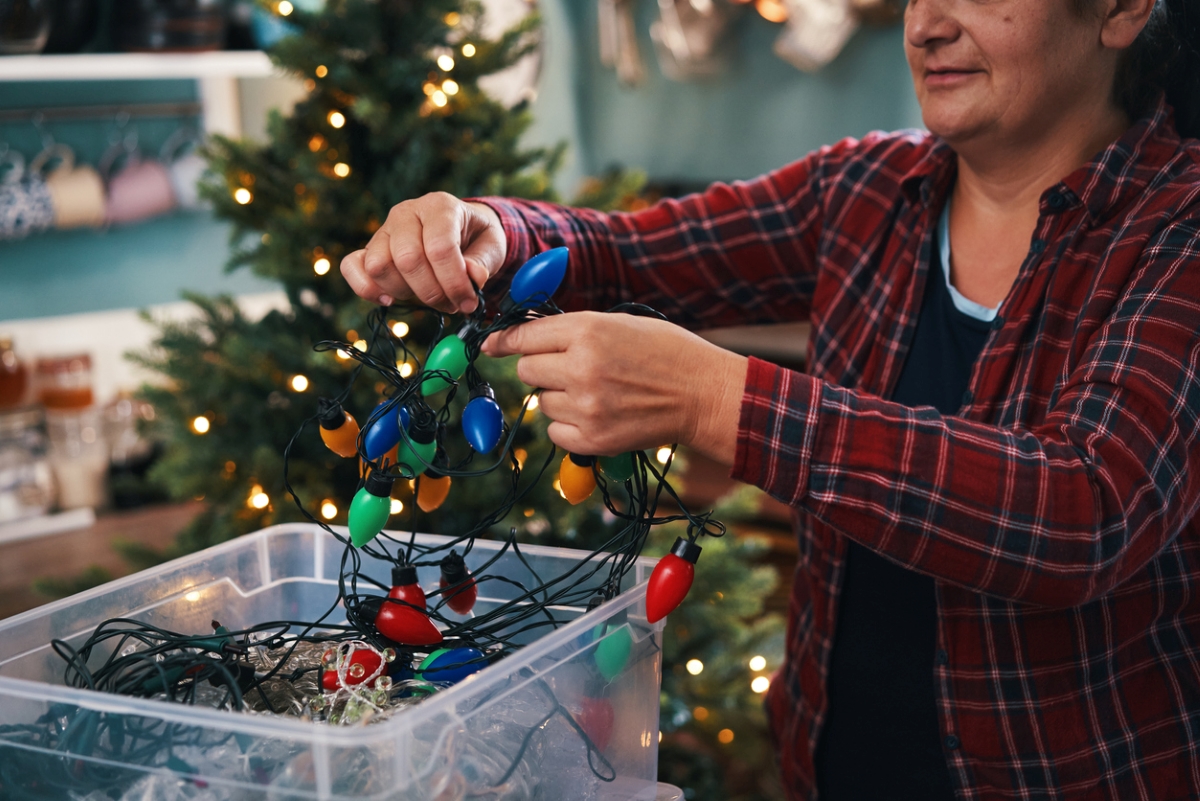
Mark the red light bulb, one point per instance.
(404, 624)
(671, 579)
(364, 664)
(461, 591)
(597, 718)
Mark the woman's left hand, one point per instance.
(613, 383)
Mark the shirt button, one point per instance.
(1056, 201)
(952, 742)
(968, 398)
(997, 323)
(943, 658)
(1038, 245)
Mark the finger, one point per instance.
(544, 370)
(556, 405)
(408, 254)
(442, 235)
(486, 245)
(360, 282)
(378, 267)
(547, 335)
(567, 437)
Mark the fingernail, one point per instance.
(385, 300)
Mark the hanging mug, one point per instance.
(76, 192)
(25, 205)
(185, 167)
(140, 189)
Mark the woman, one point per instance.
(994, 455)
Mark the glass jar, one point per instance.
(14, 376)
(26, 482)
(79, 456)
(64, 383)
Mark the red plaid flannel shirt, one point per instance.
(1056, 510)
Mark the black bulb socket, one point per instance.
(686, 550)
(581, 460)
(423, 431)
(483, 390)
(330, 414)
(403, 575)
(454, 569)
(379, 484)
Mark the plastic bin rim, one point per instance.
(298, 729)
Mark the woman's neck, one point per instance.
(1006, 177)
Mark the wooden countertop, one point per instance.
(66, 555)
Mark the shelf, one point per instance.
(136, 66)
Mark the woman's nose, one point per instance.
(928, 22)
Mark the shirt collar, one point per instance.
(1121, 170)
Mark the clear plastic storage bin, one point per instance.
(496, 735)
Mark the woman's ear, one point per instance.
(1124, 21)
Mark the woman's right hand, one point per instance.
(435, 248)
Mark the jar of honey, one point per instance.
(64, 383)
(14, 376)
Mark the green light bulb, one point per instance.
(419, 448)
(370, 509)
(449, 356)
(613, 651)
(619, 468)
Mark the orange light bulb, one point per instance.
(576, 477)
(339, 430)
(432, 491)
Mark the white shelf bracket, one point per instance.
(222, 105)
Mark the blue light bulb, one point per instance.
(482, 420)
(383, 434)
(539, 278)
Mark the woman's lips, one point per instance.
(948, 78)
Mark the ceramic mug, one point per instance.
(77, 192)
(185, 167)
(25, 205)
(140, 189)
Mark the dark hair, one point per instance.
(1165, 59)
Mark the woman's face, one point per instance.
(1003, 70)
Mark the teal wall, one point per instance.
(759, 114)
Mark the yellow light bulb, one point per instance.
(406, 369)
(285, 8)
(760, 684)
(258, 499)
(439, 99)
(468, 50)
(397, 506)
(361, 345)
(725, 736)
(400, 329)
(337, 119)
(452, 18)
(758, 663)
(321, 71)
(329, 510)
(343, 354)
(450, 87)
(695, 667)
(341, 169)
(201, 425)
(664, 453)
(429, 88)
(446, 62)
(532, 402)
(242, 195)
(299, 383)
(322, 266)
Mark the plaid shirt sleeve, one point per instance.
(736, 254)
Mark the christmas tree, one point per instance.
(394, 111)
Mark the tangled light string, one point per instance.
(398, 643)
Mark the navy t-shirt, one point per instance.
(882, 740)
